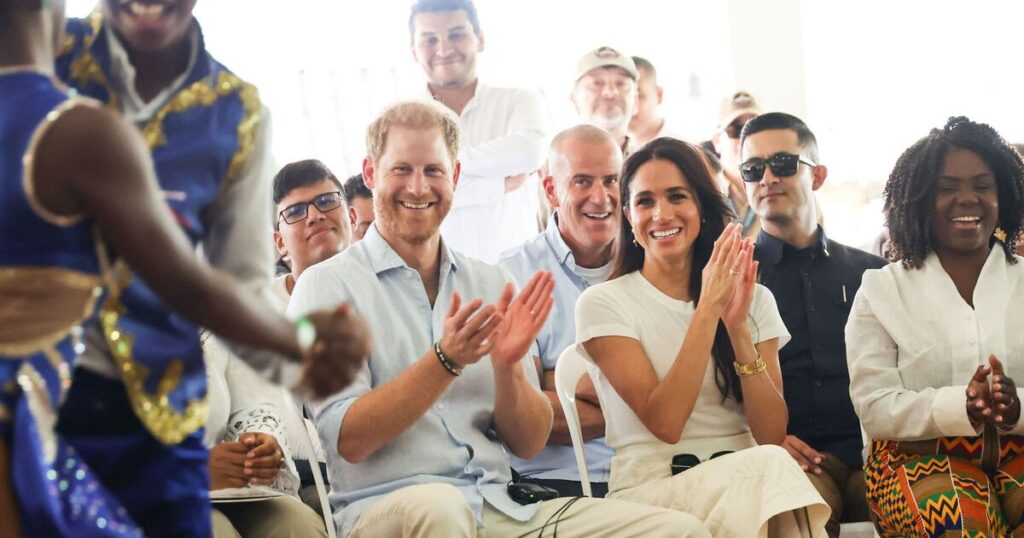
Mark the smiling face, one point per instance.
(445, 45)
(150, 25)
(413, 183)
(664, 211)
(606, 97)
(320, 235)
(584, 188)
(966, 208)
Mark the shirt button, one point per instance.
(440, 407)
(817, 383)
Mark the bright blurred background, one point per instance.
(869, 77)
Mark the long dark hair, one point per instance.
(715, 214)
(910, 192)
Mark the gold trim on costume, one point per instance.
(28, 163)
(40, 305)
(85, 69)
(166, 424)
(38, 399)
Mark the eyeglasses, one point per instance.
(733, 129)
(782, 164)
(328, 201)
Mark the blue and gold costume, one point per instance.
(200, 139)
(50, 281)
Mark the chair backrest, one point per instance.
(572, 366)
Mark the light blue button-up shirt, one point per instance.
(455, 441)
(549, 252)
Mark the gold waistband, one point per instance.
(40, 305)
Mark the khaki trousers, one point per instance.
(272, 518)
(433, 510)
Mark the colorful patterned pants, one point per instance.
(950, 487)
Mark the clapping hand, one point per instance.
(722, 275)
(523, 318)
(994, 403)
(1005, 404)
(468, 330)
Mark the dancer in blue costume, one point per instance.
(208, 134)
(74, 177)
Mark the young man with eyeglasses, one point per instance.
(736, 110)
(814, 280)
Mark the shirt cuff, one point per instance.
(949, 411)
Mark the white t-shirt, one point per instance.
(632, 307)
(595, 276)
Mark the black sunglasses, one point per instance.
(328, 201)
(782, 164)
(734, 129)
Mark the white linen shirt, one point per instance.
(454, 442)
(503, 132)
(913, 345)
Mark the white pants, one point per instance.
(433, 510)
(759, 491)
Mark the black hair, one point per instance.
(715, 214)
(646, 65)
(910, 192)
(355, 187)
(433, 6)
(300, 174)
(781, 120)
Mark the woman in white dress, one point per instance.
(936, 338)
(686, 344)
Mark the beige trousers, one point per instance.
(759, 491)
(272, 518)
(433, 510)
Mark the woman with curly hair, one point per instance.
(935, 340)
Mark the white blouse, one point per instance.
(631, 306)
(913, 345)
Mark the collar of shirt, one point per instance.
(384, 258)
(561, 250)
(481, 89)
(771, 248)
(123, 75)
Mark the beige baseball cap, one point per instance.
(602, 57)
(736, 105)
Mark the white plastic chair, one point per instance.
(569, 369)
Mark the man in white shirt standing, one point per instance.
(605, 92)
(504, 132)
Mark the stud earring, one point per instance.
(999, 234)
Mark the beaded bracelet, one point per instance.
(446, 361)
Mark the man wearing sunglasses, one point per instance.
(736, 110)
(814, 280)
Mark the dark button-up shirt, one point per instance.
(814, 288)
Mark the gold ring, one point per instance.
(733, 272)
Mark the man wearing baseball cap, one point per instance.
(605, 92)
(736, 110)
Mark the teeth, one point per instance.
(966, 219)
(146, 10)
(665, 233)
(597, 215)
(411, 205)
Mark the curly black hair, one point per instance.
(910, 192)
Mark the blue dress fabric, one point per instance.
(50, 283)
